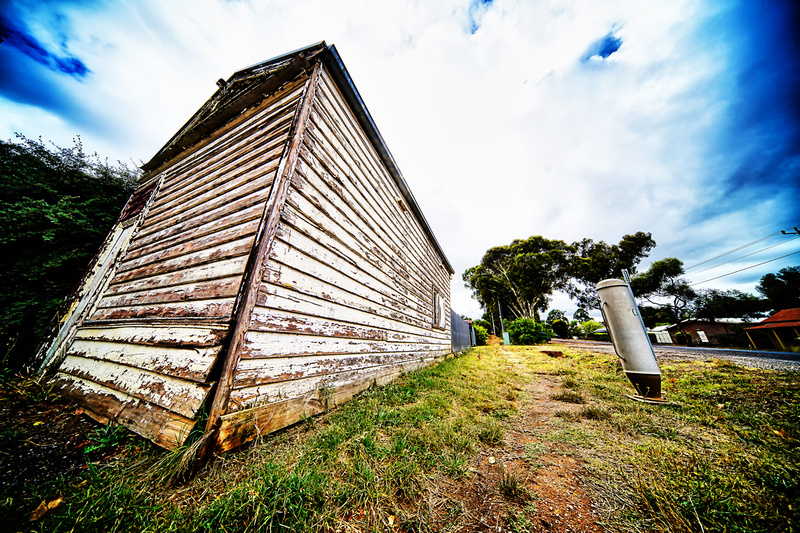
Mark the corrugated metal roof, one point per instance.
(776, 325)
(788, 318)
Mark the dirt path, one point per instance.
(555, 498)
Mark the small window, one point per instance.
(438, 310)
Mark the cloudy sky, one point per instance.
(508, 118)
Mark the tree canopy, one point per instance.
(653, 316)
(520, 276)
(662, 285)
(581, 315)
(518, 279)
(595, 261)
(782, 290)
(56, 207)
(713, 304)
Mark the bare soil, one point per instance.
(43, 437)
(44, 440)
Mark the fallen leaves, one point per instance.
(44, 509)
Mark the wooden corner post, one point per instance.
(256, 263)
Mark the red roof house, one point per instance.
(781, 329)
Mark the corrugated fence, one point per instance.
(462, 336)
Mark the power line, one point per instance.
(746, 268)
(741, 257)
(736, 249)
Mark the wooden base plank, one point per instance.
(243, 426)
(152, 422)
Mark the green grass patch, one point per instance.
(722, 455)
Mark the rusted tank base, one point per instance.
(647, 385)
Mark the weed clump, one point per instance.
(490, 432)
(511, 488)
(570, 416)
(591, 412)
(568, 396)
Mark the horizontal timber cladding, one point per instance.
(187, 258)
(177, 395)
(337, 386)
(347, 296)
(186, 363)
(145, 357)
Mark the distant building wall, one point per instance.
(703, 332)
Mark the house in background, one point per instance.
(660, 334)
(706, 332)
(780, 331)
(271, 264)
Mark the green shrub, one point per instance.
(526, 331)
(560, 328)
(683, 338)
(589, 327)
(56, 207)
(482, 323)
(481, 335)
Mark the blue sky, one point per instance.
(567, 119)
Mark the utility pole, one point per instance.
(502, 326)
(795, 232)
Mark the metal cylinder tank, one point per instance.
(629, 336)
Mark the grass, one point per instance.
(568, 396)
(723, 455)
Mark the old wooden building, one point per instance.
(272, 263)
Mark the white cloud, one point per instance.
(501, 134)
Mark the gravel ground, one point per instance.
(781, 361)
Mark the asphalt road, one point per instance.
(783, 361)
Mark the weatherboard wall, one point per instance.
(348, 297)
(354, 289)
(145, 354)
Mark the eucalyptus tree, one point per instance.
(517, 279)
(663, 286)
(581, 315)
(713, 304)
(595, 261)
(782, 290)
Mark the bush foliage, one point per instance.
(526, 331)
(481, 335)
(56, 208)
